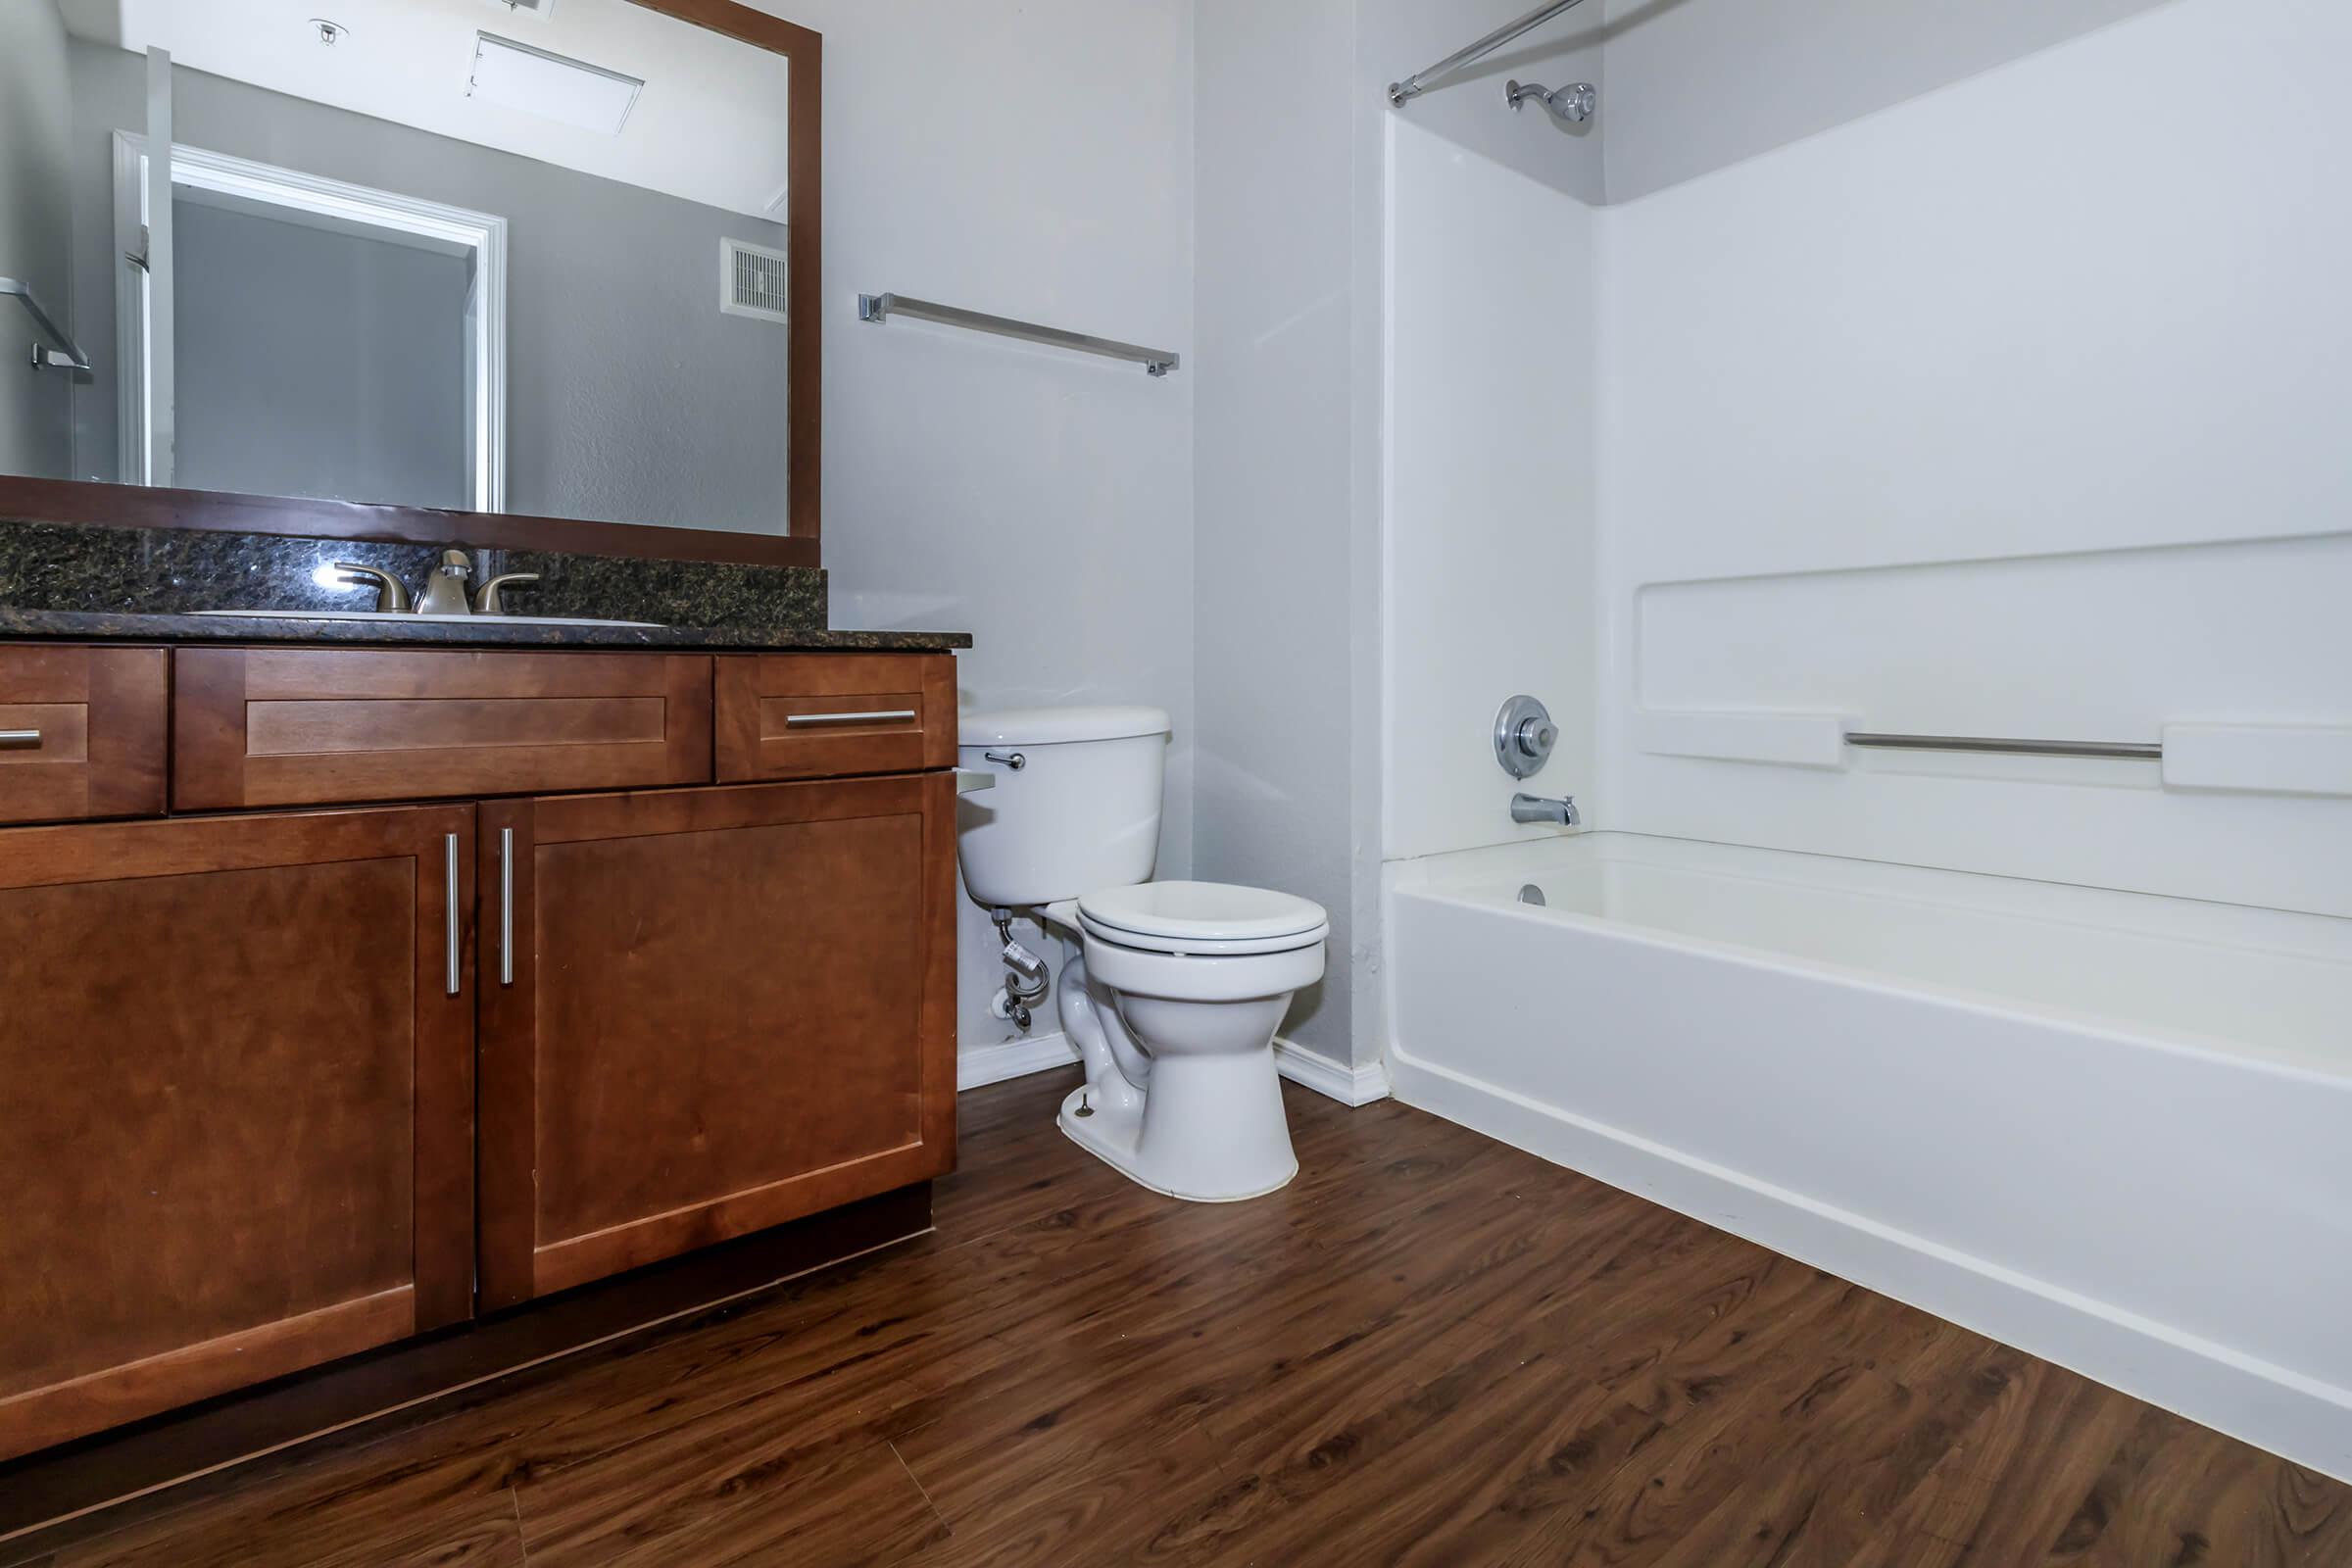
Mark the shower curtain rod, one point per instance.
(1413, 86)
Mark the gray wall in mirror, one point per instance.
(630, 396)
(34, 150)
(354, 346)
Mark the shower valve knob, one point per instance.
(1524, 736)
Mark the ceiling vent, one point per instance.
(753, 281)
(526, 8)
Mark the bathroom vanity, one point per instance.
(405, 985)
(363, 990)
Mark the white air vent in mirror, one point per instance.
(752, 280)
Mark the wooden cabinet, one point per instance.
(718, 1010)
(289, 726)
(248, 1058)
(239, 1095)
(81, 732)
(786, 716)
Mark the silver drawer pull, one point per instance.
(970, 779)
(449, 913)
(20, 740)
(506, 906)
(882, 716)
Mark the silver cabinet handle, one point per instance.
(506, 906)
(20, 740)
(1013, 759)
(969, 779)
(449, 877)
(878, 717)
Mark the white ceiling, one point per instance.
(710, 124)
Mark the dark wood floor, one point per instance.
(1429, 1350)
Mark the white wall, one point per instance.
(1697, 84)
(1272, 790)
(35, 227)
(1490, 510)
(1972, 416)
(1037, 161)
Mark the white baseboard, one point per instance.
(2268, 1406)
(1311, 1070)
(1012, 1059)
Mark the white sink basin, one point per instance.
(407, 616)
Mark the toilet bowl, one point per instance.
(1177, 990)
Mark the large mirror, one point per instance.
(548, 259)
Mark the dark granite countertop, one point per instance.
(85, 625)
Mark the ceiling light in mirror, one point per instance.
(552, 86)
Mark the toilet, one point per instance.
(1178, 987)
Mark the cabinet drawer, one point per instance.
(814, 715)
(316, 726)
(81, 732)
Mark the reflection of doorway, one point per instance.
(331, 340)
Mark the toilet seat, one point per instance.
(1204, 919)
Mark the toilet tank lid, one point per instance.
(1049, 726)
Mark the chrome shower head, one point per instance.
(1571, 105)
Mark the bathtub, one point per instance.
(2111, 1129)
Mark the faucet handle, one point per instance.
(485, 598)
(391, 594)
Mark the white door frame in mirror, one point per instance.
(292, 196)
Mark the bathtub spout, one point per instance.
(1536, 809)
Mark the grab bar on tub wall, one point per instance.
(2133, 749)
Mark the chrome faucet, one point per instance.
(1536, 809)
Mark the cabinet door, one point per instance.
(238, 1060)
(718, 1010)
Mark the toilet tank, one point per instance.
(1079, 815)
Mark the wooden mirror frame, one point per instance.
(96, 502)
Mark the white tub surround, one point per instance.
(2108, 1128)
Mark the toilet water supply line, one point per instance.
(1025, 974)
(1117, 1068)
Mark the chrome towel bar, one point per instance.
(62, 352)
(1978, 743)
(882, 307)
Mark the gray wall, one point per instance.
(629, 396)
(313, 362)
(34, 228)
(1271, 654)
(1695, 84)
